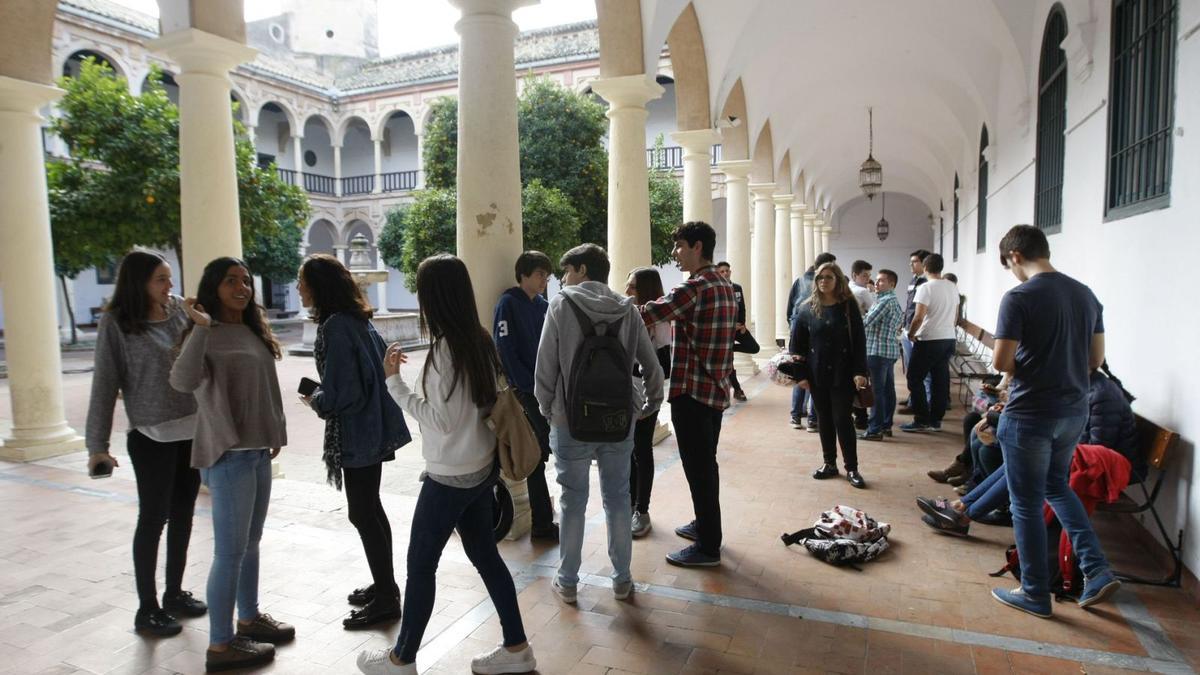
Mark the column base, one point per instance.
(768, 350)
(522, 516)
(744, 365)
(661, 431)
(17, 450)
(277, 469)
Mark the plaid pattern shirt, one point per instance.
(883, 326)
(704, 310)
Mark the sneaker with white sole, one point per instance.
(564, 593)
(379, 662)
(641, 524)
(500, 660)
(622, 589)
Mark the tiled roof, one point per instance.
(576, 41)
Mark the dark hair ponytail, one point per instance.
(1124, 392)
(130, 304)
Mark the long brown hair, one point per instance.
(448, 313)
(647, 284)
(333, 289)
(130, 305)
(841, 288)
(253, 316)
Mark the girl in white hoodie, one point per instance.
(457, 388)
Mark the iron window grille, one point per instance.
(981, 209)
(954, 224)
(1051, 124)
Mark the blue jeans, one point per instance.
(802, 405)
(240, 484)
(573, 460)
(440, 510)
(985, 459)
(932, 358)
(883, 381)
(989, 495)
(1037, 459)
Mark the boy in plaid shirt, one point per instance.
(882, 324)
(704, 310)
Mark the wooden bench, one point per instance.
(1156, 445)
(972, 358)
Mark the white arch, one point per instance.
(288, 113)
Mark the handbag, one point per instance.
(865, 397)
(516, 443)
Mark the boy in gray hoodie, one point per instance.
(585, 277)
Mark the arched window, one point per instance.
(1140, 112)
(954, 226)
(1051, 124)
(941, 228)
(981, 209)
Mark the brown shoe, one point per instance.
(955, 469)
(739, 395)
(242, 653)
(266, 629)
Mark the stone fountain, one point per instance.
(402, 327)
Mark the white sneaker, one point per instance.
(622, 589)
(567, 595)
(500, 660)
(377, 662)
(641, 524)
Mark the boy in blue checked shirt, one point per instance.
(882, 324)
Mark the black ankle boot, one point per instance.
(380, 610)
(826, 471)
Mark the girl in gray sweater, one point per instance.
(135, 347)
(228, 361)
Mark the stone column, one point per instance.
(337, 171)
(378, 187)
(342, 253)
(39, 425)
(810, 239)
(298, 159)
(737, 244)
(783, 264)
(489, 170)
(628, 183)
(252, 135)
(825, 230)
(764, 267)
(421, 162)
(697, 172)
(797, 241)
(208, 195)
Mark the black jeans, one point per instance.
(835, 422)
(969, 421)
(368, 517)
(641, 470)
(743, 343)
(167, 486)
(930, 357)
(698, 430)
(540, 509)
(440, 510)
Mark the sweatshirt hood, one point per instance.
(599, 301)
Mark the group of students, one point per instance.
(198, 378)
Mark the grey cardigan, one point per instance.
(137, 366)
(232, 374)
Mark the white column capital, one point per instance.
(22, 96)
(199, 52)
(628, 91)
(297, 136)
(735, 169)
(810, 219)
(764, 191)
(502, 8)
(797, 210)
(782, 201)
(697, 140)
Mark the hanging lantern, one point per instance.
(882, 228)
(870, 175)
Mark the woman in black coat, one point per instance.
(828, 336)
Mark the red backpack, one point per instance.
(1066, 578)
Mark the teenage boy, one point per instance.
(932, 333)
(704, 310)
(743, 341)
(882, 324)
(516, 328)
(860, 279)
(802, 287)
(585, 290)
(916, 265)
(1049, 336)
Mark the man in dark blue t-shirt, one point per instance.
(1049, 336)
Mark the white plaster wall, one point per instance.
(316, 139)
(400, 152)
(358, 152)
(854, 238)
(1132, 264)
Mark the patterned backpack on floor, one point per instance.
(843, 536)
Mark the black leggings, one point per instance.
(368, 517)
(167, 486)
(641, 471)
(836, 423)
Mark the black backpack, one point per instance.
(599, 387)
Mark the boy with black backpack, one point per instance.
(590, 341)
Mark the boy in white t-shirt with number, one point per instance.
(932, 333)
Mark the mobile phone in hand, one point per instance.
(101, 470)
(308, 386)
